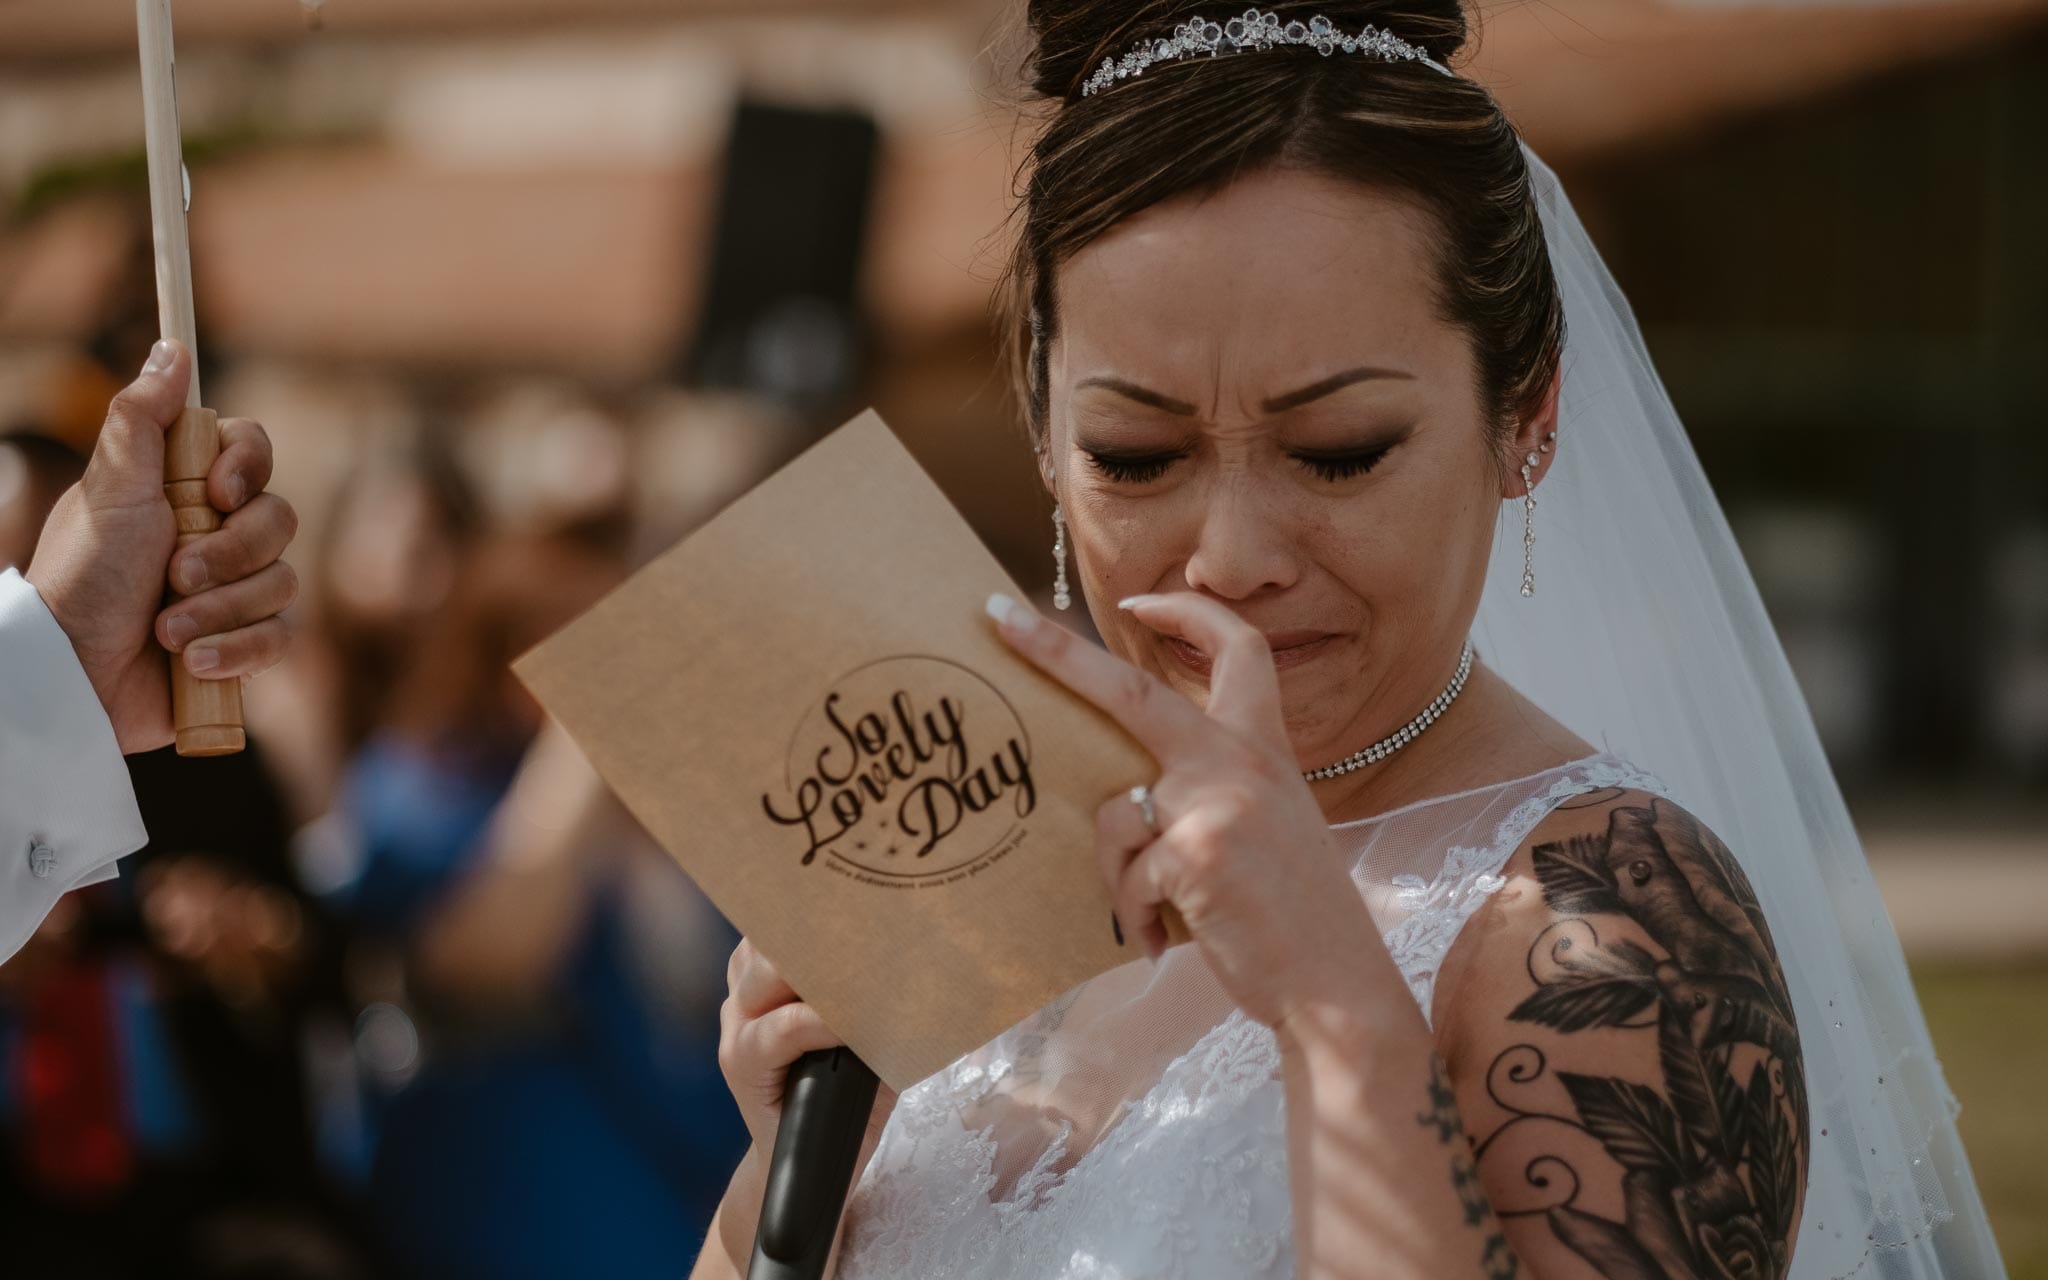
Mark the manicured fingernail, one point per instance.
(1011, 614)
(160, 357)
(181, 630)
(235, 488)
(1130, 602)
(200, 661)
(191, 574)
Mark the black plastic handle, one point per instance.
(826, 1101)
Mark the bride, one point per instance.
(1528, 933)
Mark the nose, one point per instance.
(1242, 546)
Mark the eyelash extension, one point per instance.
(1134, 468)
(1140, 468)
(1342, 466)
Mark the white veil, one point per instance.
(1646, 635)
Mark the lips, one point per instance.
(1290, 649)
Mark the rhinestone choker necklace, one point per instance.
(1404, 735)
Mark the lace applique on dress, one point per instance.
(1188, 1177)
(1191, 1182)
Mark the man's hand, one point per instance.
(102, 560)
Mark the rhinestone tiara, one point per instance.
(1254, 30)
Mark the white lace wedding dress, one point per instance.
(1134, 1126)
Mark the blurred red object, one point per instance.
(75, 1127)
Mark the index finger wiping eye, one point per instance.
(1147, 709)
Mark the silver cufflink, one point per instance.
(42, 859)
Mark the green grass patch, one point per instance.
(1990, 1028)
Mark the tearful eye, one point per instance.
(1342, 466)
(1131, 468)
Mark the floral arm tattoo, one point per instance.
(1655, 934)
(1497, 1261)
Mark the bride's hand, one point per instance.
(763, 1027)
(1242, 850)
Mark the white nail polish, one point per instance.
(1010, 613)
(1132, 601)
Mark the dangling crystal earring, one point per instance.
(1529, 517)
(1060, 598)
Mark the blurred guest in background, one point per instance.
(383, 566)
(540, 1016)
(35, 470)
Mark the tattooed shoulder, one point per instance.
(1626, 1055)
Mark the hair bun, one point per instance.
(1074, 36)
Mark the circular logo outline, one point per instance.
(1024, 734)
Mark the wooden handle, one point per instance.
(207, 713)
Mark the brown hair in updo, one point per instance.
(1197, 123)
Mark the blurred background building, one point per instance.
(524, 291)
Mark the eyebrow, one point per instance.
(1276, 404)
(1143, 395)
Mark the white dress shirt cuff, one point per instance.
(67, 808)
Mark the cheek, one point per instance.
(1399, 544)
(1368, 545)
(1119, 546)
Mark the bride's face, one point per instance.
(1253, 396)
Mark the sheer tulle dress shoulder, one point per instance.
(1134, 1126)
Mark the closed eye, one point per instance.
(1132, 468)
(1343, 465)
(1141, 468)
